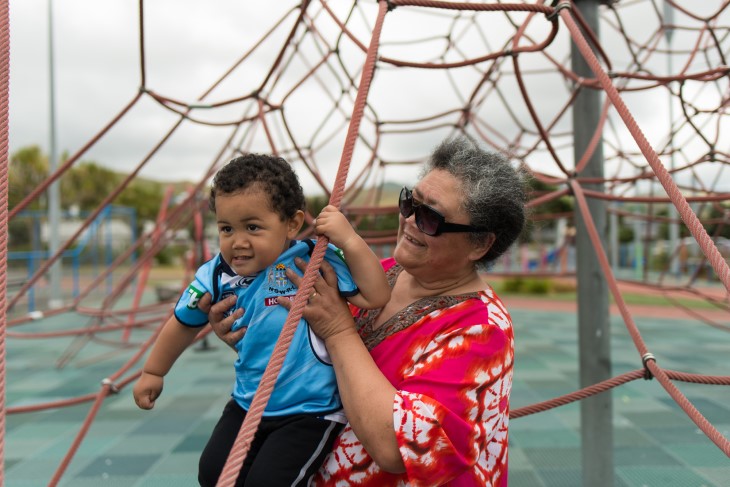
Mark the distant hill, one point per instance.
(389, 196)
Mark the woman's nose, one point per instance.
(410, 219)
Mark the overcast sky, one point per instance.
(190, 44)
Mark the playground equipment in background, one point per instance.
(95, 247)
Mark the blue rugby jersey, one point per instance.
(306, 382)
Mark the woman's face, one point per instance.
(448, 254)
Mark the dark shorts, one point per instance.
(285, 451)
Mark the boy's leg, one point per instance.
(215, 454)
(294, 450)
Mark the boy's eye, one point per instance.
(251, 227)
(225, 229)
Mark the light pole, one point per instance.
(55, 299)
(672, 213)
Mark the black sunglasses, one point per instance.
(428, 220)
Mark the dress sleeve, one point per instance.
(453, 402)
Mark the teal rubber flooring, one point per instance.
(654, 443)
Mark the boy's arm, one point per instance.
(169, 345)
(363, 263)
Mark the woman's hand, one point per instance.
(326, 312)
(219, 322)
(366, 393)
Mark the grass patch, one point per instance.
(537, 286)
(559, 290)
(650, 300)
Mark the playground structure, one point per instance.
(377, 92)
(94, 249)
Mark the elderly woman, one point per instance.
(425, 381)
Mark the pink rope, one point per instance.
(4, 104)
(611, 383)
(250, 424)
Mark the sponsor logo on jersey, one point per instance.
(272, 301)
(194, 295)
(236, 280)
(244, 281)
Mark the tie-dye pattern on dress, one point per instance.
(450, 358)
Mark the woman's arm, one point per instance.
(366, 393)
(363, 263)
(367, 397)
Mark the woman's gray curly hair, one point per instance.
(494, 191)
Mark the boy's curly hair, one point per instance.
(270, 174)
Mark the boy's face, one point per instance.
(251, 234)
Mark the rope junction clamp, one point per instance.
(36, 315)
(560, 6)
(644, 359)
(106, 381)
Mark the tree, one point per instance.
(86, 185)
(145, 197)
(557, 206)
(28, 169)
(719, 216)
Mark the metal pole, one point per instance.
(613, 232)
(638, 250)
(673, 213)
(55, 299)
(594, 337)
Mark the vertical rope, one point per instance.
(4, 160)
(250, 424)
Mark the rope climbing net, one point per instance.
(372, 85)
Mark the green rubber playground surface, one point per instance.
(655, 443)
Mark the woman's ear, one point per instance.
(295, 224)
(482, 247)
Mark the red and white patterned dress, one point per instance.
(450, 359)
